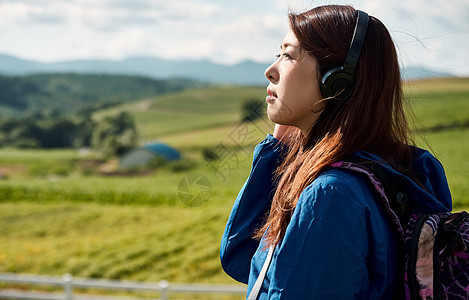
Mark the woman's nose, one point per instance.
(271, 73)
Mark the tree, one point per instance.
(85, 128)
(115, 135)
(61, 133)
(26, 130)
(251, 110)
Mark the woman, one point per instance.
(332, 239)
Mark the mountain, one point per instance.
(10, 65)
(245, 73)
(416, 72)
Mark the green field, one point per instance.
(59, 216)
(439, 102)
(189, 111)
(445, 103)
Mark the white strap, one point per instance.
(257, 286)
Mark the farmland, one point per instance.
(58, 215)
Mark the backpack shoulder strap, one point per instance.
(260, 279)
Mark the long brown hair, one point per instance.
(373, 119)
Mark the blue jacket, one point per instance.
(338, 244)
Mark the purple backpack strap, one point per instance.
(378, 188)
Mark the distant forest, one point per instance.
(55, 110)
(60, 94)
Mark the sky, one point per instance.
(430, 33)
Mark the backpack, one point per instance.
(434, 247)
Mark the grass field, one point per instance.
(57, 217)
(191, 110)
(136, 242)
(439, 102)
(452, 149)
(142, 243)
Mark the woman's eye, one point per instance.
(288, 56)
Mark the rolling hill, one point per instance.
(186, 112)
(67, 93)
(208, 115)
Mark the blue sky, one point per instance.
(432, 33)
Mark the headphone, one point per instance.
(339, 82)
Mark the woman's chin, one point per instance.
(272, 115)
(275, 115)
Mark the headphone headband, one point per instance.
(339, 82)
(357, 40)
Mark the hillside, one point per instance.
(203, 116)
(65, 93)
(189, 111)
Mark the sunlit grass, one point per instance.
(142, 243)
(451, 147)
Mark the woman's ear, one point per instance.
(318, 106)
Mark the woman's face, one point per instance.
(294, 94)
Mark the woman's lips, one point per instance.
(271, 96)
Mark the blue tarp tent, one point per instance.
(142, 156)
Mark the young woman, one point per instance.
(331, 238)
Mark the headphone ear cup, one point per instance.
(337, 83)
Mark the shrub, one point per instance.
(251, 110)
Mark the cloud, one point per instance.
(31, 13)
(452, 14)
(250, 36)
(199, 30)
(134, 5)
(45, 18)
(125, 13)
(431, 32)
(104, 14)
